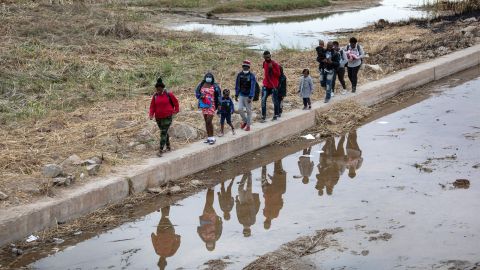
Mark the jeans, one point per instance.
(353, 76)
(266, 92)
(323, 79)
(329, 77)
(341, 77)
(244, 104)
(164, 125)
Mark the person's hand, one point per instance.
(236, 98)
(151, 118)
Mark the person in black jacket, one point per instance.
(320, 49)
(282, 90)
(331, 63)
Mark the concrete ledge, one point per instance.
(18, 222)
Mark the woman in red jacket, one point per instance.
(163, 106)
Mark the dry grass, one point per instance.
(455, 6)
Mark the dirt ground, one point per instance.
(114, 130)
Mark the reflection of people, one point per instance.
(226, 200)
(273, 192)
(354, 154)
(248, 204)
(305, 165)
(210, 228)
(340, 158)
(165, 242)
(328, 172)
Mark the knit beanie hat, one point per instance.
(160, 83)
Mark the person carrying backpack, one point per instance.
(163, 106)
(271, 79)
(320, 49)
(282, 91)
(341, 68)
(355, 55)
(245, 87)
(208, 94)
(332, 61)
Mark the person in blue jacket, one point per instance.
(244, 93)
(225, 110)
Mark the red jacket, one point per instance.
(271, 79)
(161, 107)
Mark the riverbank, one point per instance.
(45, 121)
(139, 219)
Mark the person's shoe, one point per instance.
(212, 142)
(247, 128)
(354, 89)
(344, 92)
(207, 140)
(304, 107)
(310, 107)
(275, 118)
(327, 100)
(263, 120)
(160, 153)
(233, 131)
(169, 148)
(332, 95)
(221, 134)
(242, 126)
(280, 115)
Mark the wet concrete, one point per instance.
(366, 182)
(304, 31)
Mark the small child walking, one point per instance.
(305, 88)
(225, 110)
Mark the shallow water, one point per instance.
(361, 182)
(304, 32)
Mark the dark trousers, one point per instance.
(341, 78)
(280, 105)
(353, 76)
(266, 92)
(307, 102)
(164, 125)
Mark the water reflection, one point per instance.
(211, 226)
(273, 191)
(334, 161)
(354, 154)
(165, 242)
(248, 204)
(305, 165)
(225, 199)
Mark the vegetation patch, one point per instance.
(267, 5)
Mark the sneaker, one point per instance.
(327, 100)
(310, 107)
(280, 115)
(263, 120)
(242, 126)
(344, 92)
(247, 128)
(212, 142)
(207, 140)
(354, 89)
(160, 153)
(332, 95)
(221, 134)
(233, 131)
(169, 148)
(304, 107)
(275, 118)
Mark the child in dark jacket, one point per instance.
(225, 110)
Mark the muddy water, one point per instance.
(393, 214)
(304, 32)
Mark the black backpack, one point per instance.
(257, 92)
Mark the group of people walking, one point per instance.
(333, 61)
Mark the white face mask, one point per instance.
(208, 79)
(246, 71)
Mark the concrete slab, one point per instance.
(18, 222)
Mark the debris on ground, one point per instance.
(289, 253)
(31, 238)
(383, 236)
(93, 169)
(461, 183)
(3, 196)
(218, 264)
